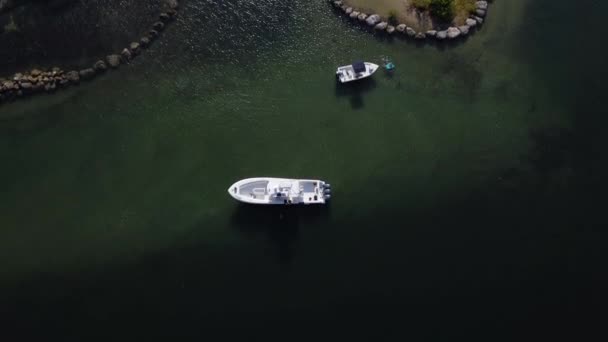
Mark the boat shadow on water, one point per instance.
(280, 225)
(355, 91)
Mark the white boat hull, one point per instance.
(347, 73)
(280, 191)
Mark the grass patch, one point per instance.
(464, 6)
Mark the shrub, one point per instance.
(442, 9)
(421, 4)
(392, 17)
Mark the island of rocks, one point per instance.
(38, 81)
(380, 24)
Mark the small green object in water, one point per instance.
(389, 66)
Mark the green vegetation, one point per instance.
(392, 17)
(442, 9)
(421, 4)
(446, 10)
(464, 6)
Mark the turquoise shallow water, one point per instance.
(464, 184)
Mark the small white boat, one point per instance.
(284, 191)
(355, 71)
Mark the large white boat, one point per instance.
(267, 190)
(356, 71)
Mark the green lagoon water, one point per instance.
(466, 185)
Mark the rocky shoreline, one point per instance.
(379, 24)
(38, 81)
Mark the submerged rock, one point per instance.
(113, 61)
(478, 19)
(173, 4)
(72, 76)
(410, 31)
(420, 35)
(87, 74)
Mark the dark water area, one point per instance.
(469, 186)
(71, 33)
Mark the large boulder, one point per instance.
(72, 76)
(86, 74)
(478, 19)
(113, 61)
(373, 20)
(441, 35)
(480, 12)
(173, 4)
(164, 17)
(144, 42)
(134, 47)
(171, 12)
(471, 22)
(401, 28)
(126, 55)
(481, 5)
(152, 34)
(354, 14)
(362, 17)
(349, 10)
(337, 3)
(464, 29)
(158, 26)
(420, 35)
(453, 32)
(431, 33)
(410, 31)
(100, 66)
(381, 26)
(390, 29)
(35, 72)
